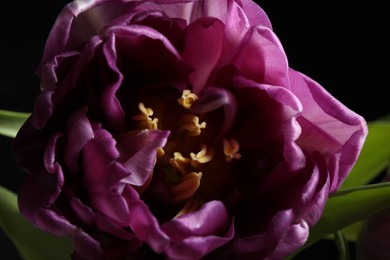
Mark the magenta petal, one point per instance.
(86, 247)
(113, 109)
(203, 46)
(49, 157)
(36, 198)
(331, 120)
(144, 224)
(262, 58)
(77, 22)
(141, 162)
(294, 237)
(102, 175)
(255, 14)
(43, 109)
(79, 132)
(101, 172)
(198, 233)
(281, 221)
(286, 125)
(236, 27)
(210, 219)
(197, 247)
(48, 74)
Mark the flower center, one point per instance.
(189, 158)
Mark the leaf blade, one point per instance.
(10, 122)
(342, 211)
(374, 157)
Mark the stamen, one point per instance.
(187, 187)
(160, 152)
(178, 162)
(187, 99)
(205, 155)
(144, 118)
(230, 149)
(190, 123)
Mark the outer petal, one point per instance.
(261, 58)
(295, 237)
(79, 133)
(255, 13)
(78, 21)
(101, 176)
(271, 119)
(328, 124)
(197, 234)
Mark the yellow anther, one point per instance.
(204, 156)
(190, 123)
(160, 152)
(230, 149)
(187, 99)
(187, 186)
(178, 162)
(144, 118)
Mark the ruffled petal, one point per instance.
(255, 13)
(272, 120)
(328, 126)
(144, 224)
(79, 132)
(113, 110)
(198, 233)
(262, 58)
(294, 237)
(79, 21)
(279, 223)
(139, 153)
(203, 47)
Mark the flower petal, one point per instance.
(203, 47)
(79, 133)
(261, 58)
(255, 13)
(139, 153)
(331, 120)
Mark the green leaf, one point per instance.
(374, 157)
(32, 243)
(350, 207)
(10, 122)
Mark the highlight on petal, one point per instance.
(262, 58)
(79, 133)
(140, 162)
(329, 120)
(256, 15)
(203, 47)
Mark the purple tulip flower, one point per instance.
(176, 129)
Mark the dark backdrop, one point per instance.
(344, 48)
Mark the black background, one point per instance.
(344, 48)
